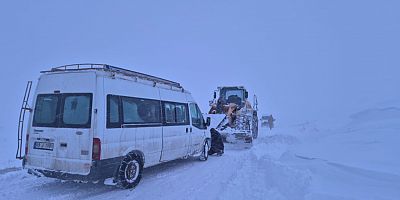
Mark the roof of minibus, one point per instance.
(116, 72)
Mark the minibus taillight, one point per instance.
(96, 149)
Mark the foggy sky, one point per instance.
(306, 60)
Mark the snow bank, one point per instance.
(8, 149)
(356, 161)
(376, 114)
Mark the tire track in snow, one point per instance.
(266, 178)
(8, 170)
(238, 174)
(334, 180)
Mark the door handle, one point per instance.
(187, 130)
(191, 129)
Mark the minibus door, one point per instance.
(75, 138)
(198, 128)
(175, 131)
(62, 134)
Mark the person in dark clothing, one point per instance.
(217, 143)
(271, 121)
(220, 105)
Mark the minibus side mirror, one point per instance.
(246, 95)
(208, 122)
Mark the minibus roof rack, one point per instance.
(109, 68)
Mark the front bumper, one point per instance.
(246, 137)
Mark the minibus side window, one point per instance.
(46, 110)
(197, 117)
(130, 111)
(113, 111)
(149, 111)
(201, 119)
(169, 110)
(182, 114)
(140, 111)
(175, 114)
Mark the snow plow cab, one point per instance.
(233, 115)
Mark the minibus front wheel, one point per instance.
(204, 153)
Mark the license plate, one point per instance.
(44, 146)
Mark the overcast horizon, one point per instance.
(306, 60)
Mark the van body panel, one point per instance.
(175, 137)
(127, 138)
(99, 170)
(63, 148)
(172, 95)
(149, 142)
(99, 118)
(67, 82)
(64, 151)
(197, 134)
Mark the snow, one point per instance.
(358, 160)
(7, 154)
(312, 62)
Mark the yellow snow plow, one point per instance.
(233, 115)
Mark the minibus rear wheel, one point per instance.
(130, 171)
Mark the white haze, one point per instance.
(312, 63)
(306, 60)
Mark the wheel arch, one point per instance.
(136, 152)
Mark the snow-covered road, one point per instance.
(238, 174)
(358, 161)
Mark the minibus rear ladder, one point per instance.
(21, 121)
